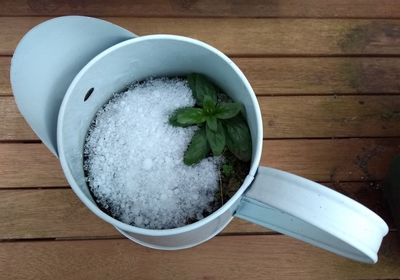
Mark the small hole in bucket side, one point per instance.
(88, 94)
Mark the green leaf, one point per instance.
(191, 78)
(216, 139)
(212, 123)
(191, 116)
(226, 111)
(173, 118)
(238, 139)
(187, 116)
(208, 105)
(197, 149)
(201, 87)
(227, 170)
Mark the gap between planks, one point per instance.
(58, 213)
(223, 257)
(208, 8)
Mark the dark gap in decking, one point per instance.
(68, 187)
(279, 94)
(338, 55)
(14, 141)
(394, 137)
(330, 94)
(35, 188)
(116, 237)
(199, 16)
(95, 238)
(332, 138)
(285, 55)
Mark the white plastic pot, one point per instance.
(59, 61)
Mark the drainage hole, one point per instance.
(88, 94)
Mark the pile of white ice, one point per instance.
(134, 159)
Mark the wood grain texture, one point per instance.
(283, 117)
(205, 8)
(323, 160)
(322, 75)
(251, 36)
(29, 165)
(330, 116)
(284, 47)
(5, 86)
(293, 75)
(13, 125)
(51, 213)
(223, 257)
(58, 213)
(332, 160)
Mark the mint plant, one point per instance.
(221, 124)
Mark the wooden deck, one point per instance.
(327, 75)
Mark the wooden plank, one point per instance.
(322, 160)
(293, 75)
(330, 116)
(332, 160)
(58, 213)
(252, 36)
(5, 86)
(13, 125)
(227, 257)
(50, 213)
(327, 75)
(283, 117)
(205, 8)
(29, 165)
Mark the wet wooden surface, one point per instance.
(327, 76)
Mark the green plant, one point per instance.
(221, 124)
(227, 170)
